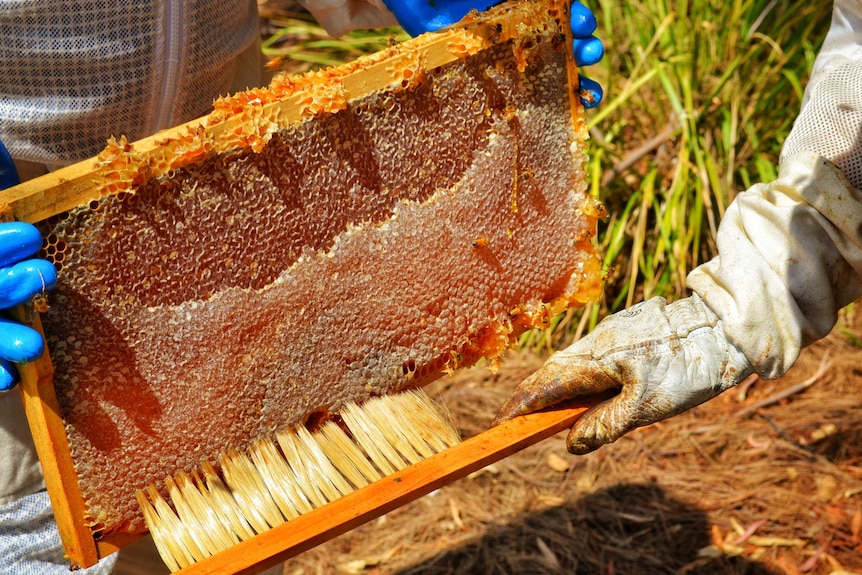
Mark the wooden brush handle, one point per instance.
(363, 505)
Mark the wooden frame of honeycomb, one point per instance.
(492, 93)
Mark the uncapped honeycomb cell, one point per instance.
(358, 252)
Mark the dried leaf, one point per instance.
(492, 469)
(558, 463)
(456, 514)
(812, 561)
(357, 566)
(775, 542)
(757, 445)
(352, 567)
(823, 431)
(827, 486)
(856, 526)
(733, 550)
(547, 555)
(737, 526)
(716, 536)
(552, 500)
(710, 552)
(750, 531)
(714, 551)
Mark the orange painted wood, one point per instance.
(363, 505)
(49, 436)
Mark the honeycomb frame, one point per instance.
(247, 122)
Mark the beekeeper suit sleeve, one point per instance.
(790, 257)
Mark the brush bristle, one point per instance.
(278, 479)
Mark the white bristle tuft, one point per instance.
(173, 533)
(223, 501)
(278, 480)
(346, 456)
(292, 447)
(250, 491)
(437, 432)
(161, 534)
(196, 522)
(201, 503)
(396, 436)
(332, 483)
(371, 439)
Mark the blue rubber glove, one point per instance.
(21, 278)
(419, 16)
(588, 50)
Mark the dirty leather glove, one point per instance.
(420, 16)
(663, 358)
(790, 257)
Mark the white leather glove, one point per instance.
(790, 257)
(664, 359)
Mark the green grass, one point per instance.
(699, 97)
(295, 42)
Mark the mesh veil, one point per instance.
(830, 123)
(75, 72)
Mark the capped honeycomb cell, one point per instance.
(260, 279)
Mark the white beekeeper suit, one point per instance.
(71, 75)
(74, 72)
(790, 257)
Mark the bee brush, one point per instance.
(254, 531)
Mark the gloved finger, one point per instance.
(553, 383)
(20, 282)
(19, 343)
(8, 375)
(418, 16)
(604, 423)
(18, 241)
(588, 51)
(582, 21)
(590, 91)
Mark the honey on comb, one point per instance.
(403, 234)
